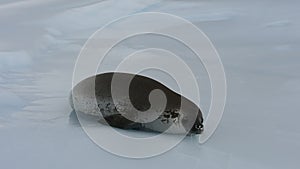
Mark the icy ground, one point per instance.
(258, 42)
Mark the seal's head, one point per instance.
(197, 127)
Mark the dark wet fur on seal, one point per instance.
(139, 90)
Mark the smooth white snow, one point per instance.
(258, 42)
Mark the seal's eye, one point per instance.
(198, 127)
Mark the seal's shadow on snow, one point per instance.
(73, 119)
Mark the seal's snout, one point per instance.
(197, 128)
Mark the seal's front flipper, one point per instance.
(119, 121)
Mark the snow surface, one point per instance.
(258, 42)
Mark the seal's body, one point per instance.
(179, 116)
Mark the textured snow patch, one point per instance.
(9, 100)
(281, 23)
(14, 60)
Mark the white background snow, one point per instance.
(258, 42)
